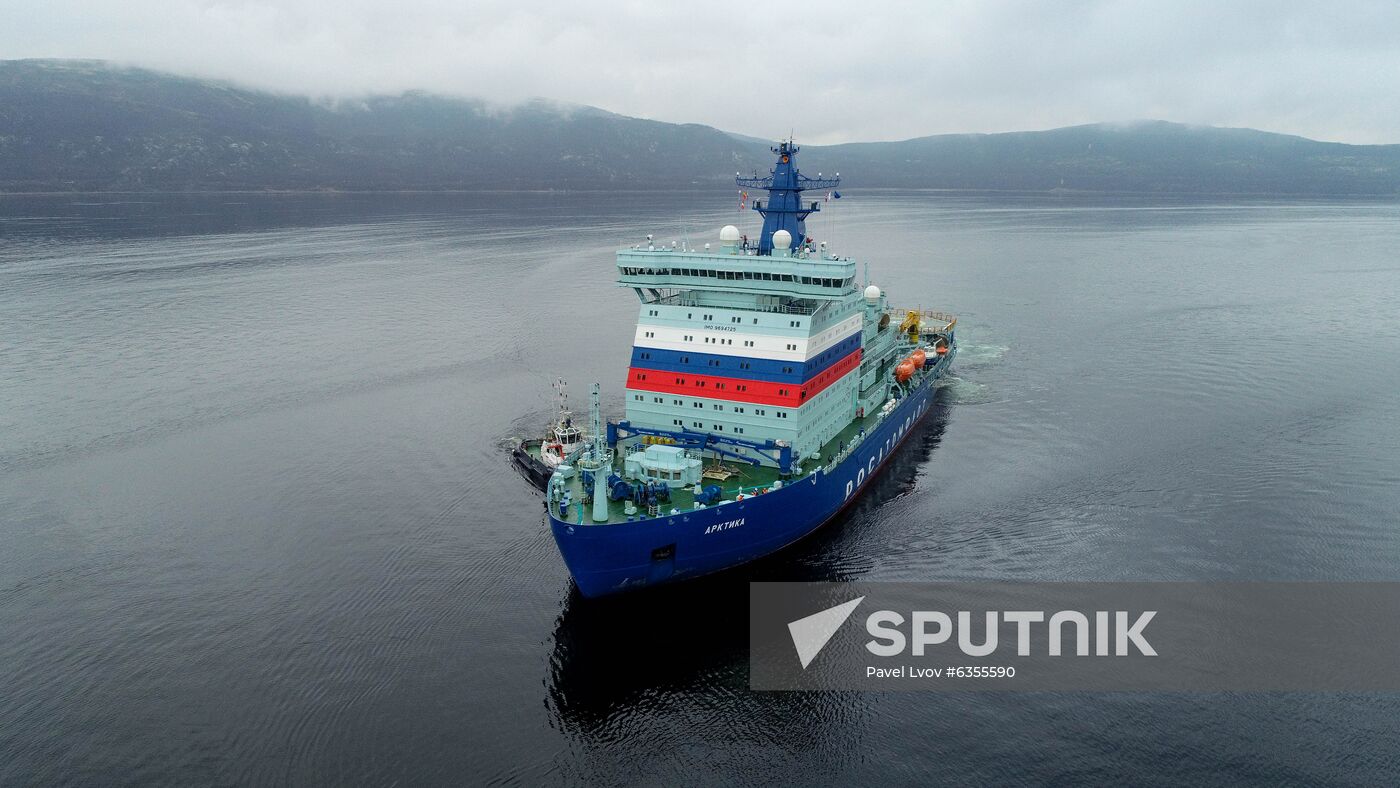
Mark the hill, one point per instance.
(89, 126)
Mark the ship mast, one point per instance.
(561, 387)
(599, 459)
(783, 210)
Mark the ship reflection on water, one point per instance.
(618, 661)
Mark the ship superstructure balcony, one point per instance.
(797, 306)
(814, 276)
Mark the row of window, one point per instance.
(700, 425)
(825, 376)
(714, 340)
(715, 362)
(822, 357)
(762, 276)
(698, 404)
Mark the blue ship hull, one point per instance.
(611, 558)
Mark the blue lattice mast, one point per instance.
(783, 210)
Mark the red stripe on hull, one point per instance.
(782, 395)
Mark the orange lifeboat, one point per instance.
(904, 370)
(918, 357)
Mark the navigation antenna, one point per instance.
(562, 387)
(599, 459)
(595, 422)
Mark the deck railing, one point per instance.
(802, 307)
(898, 315)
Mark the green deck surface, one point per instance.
(748, 479)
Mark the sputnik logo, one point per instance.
(811, 634)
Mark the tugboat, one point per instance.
(767, 387)
(536, 459)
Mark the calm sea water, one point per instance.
(257, 523)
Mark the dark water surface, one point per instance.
(259, 525)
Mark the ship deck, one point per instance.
(747, 479)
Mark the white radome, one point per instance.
(872, 294)
(782, 239)
(729, 233)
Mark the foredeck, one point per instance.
(748, 479)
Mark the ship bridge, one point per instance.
(812, 276)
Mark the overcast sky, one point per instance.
(830, 71)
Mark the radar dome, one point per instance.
(782, 239)
(872, 294)
(729, 233)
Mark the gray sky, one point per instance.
(831, 71)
